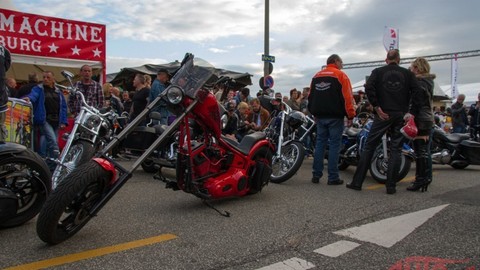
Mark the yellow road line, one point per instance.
(377, 186)
(93, 253)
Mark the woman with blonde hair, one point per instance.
(148, 81)
(243, 109)
(423, 100)
(106, 87)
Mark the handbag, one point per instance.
(410, 130)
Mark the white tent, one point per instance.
(470, 90)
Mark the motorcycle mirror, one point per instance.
(67, 74)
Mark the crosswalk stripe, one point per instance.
(338, 248)
(290, 264)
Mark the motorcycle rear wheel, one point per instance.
(459, 166)
(79, 153)
(26, 175)
(67, 209)
(288, 163)
(379, 166)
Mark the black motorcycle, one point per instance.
(456, 150)
(93, 129)
(24, 184)
(135, 144)
(289, 150)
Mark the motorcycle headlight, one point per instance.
(174, 95)
(92, 121)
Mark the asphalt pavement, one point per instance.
(294, 225)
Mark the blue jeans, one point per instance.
(329, 131)
(49, 145)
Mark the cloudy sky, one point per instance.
(230, 34)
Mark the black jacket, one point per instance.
(391, 88)
(422, 102)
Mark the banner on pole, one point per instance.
(390, 38)
(454, 76)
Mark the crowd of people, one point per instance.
(393, 94)
(52, 107)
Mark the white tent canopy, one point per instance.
(22, 65)
(470, 90)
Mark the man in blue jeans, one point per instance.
(330, 101)
(49, 113)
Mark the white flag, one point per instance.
(390, 38)
(454, 76)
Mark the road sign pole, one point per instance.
(266, 40)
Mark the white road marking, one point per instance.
(336, 249)
(388, 232)
(290, 264)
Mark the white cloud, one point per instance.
(115, 64)
(302, 33)
(216, 50)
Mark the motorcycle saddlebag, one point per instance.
(140, 139)
(471, 151)
(8, 204)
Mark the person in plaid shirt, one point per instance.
(91, 89)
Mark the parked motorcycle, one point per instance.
(92, 130)
(456, 150)
(289, 150)
(140, 139)
(353, 143)
(24, 184)
(209, 165)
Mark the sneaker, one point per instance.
(315, 180)
(335, 183)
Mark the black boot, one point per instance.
(421, 179)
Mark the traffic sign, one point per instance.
(266, 83)
(268, 58)
(269, 81)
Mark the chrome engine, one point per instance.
(442, 157)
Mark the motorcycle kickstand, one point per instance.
(223, 213)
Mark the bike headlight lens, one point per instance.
(92, 121)
(174, 95)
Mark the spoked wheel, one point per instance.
(67, 209)
(288, 163)
(79, 153)
(379, 166)
(342, 161)
(28, 177)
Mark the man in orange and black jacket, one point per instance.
(330, 101)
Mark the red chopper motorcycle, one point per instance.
(209, 165)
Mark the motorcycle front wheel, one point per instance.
(379, 166)
(79, 153)
(28, 177)
(68, 207)
(149, 166)
(288, 163)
